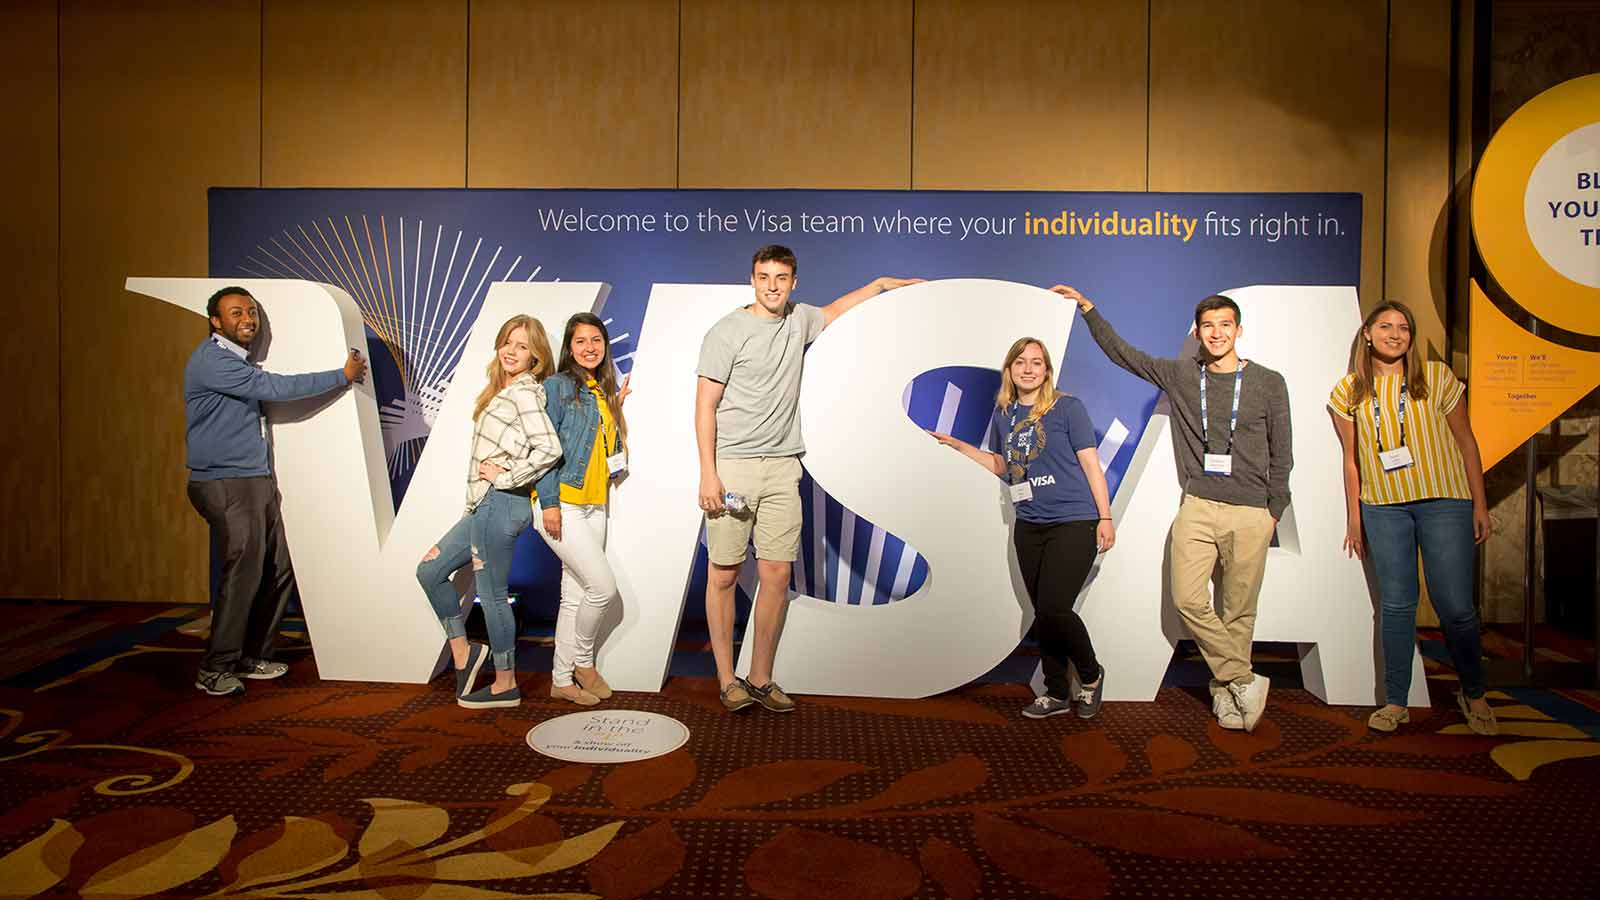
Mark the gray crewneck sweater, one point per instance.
(1263, 452)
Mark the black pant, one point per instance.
(257, 580)
(1055, 561)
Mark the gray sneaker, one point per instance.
(219, 684)
(260, 669)
(1087, 699)
(1227, 713)
(1251, 699)
(1046, 706)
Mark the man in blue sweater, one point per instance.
(232, 487)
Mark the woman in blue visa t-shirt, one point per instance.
(1044, 448)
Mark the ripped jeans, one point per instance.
(485, 538)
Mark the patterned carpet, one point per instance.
(121, 780)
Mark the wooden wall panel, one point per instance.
(1031, 95)
(1417, 237)
(364, 93)
(1255, 95)
(802, 93)
(159, 101)
(571, 93)
(30, 438)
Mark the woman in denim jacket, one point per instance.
(584, 402)
(513, 443)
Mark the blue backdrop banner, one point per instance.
(419, 262)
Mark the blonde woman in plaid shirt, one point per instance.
(513, 444)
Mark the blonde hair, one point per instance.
(540, 365)
(1361, 356)
(1008, 389)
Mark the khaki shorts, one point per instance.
(771, 486)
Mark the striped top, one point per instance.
(1437, 470)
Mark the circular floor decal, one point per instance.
(608, 736)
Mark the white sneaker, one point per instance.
(1222, 706)
(1251, 699)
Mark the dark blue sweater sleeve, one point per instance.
(229, 375)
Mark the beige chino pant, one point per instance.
(1205, 533)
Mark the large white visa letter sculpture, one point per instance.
(861, 447)
(354, 558)
(1312, 594)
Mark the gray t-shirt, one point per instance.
(758, 361)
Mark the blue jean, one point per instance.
(484, 537)
(1442, 529)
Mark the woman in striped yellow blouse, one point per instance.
(1413, 480)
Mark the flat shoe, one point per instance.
(582, 697)
(594, 684)
(1386, 719)
(486, 698)
(1484, 725)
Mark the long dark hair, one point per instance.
(605, 374)
(1361, 355)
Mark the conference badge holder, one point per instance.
(1219, 463)
(1021, 492)
(1398, 458)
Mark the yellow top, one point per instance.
(596, 476)
(1437, 470)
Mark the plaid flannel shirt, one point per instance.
(514, 432)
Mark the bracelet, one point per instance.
(1105, 518)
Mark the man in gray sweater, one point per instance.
(232, 487)
(1230, 427)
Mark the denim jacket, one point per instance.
(577, 425)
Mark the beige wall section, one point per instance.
(1257, 95)
(158, 102)
(1032, 95)
(1418, 238)
(364, 93)
(30, 438)
(573, 93)
(802, 93)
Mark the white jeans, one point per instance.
(587, 585)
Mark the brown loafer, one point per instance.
(770, 696)
(592, 682)
(735, 697)
(578, 695)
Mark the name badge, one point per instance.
(617, 463)
(1022, 492)
(1219, 463)
(1398, 458)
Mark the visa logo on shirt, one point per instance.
(1042, 480)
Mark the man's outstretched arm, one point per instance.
(866, 292)
(1150, 368)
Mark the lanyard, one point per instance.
(1233, 419)
(1377, 417)
(1009, 435)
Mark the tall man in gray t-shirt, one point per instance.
(1230, 433)
(747, 425)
